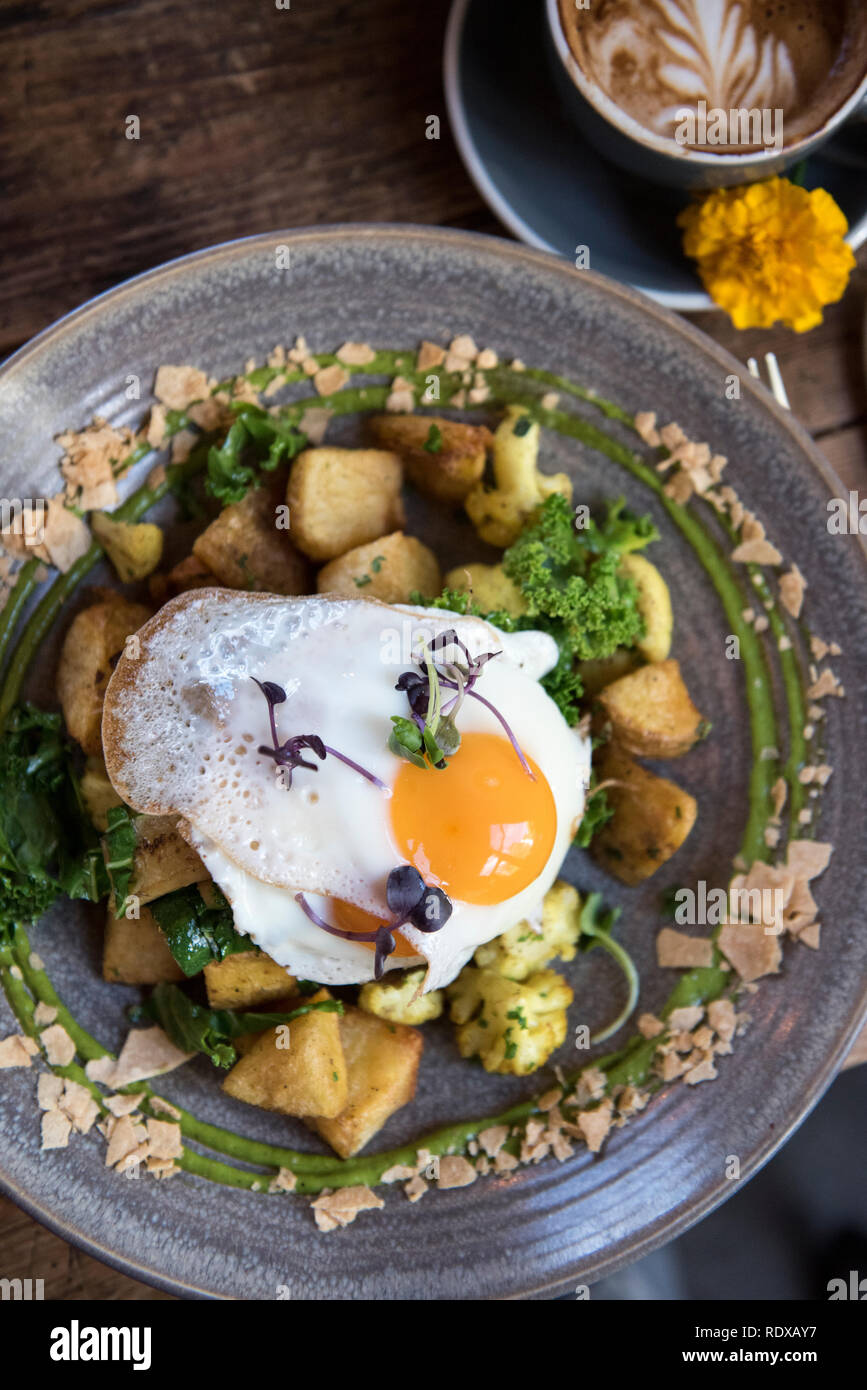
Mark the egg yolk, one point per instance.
(351, 918)
(480, 829)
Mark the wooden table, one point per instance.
(252, 118)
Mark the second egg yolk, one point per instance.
(481, 829)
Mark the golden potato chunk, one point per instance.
(305, 1077)
(246, 549)
(135, 952)
(188, 573)
(599, 671)
(246, 979)
(652, 818)
(389, 569)
(163, 862)
(654, 605)
(90, 650)
(651, 713)
(451, 464)
(341, 498)
(382, 1065)
(97, 793)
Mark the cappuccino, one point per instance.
(720, 75)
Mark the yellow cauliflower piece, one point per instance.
(394, 997)
(500, 513)
(134, 548)
(512, 1026)
(491, 587)
(523, 949)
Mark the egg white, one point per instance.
(192, 731)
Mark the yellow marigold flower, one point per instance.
(769, 252)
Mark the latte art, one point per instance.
(656, 59)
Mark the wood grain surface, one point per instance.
(254, 118)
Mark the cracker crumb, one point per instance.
(416, 1188)
(722, 1018)
(79, 1106)
(487, 359)
(703, 1070)
(59, 1047)
(340, 1208)
(164, 1107)
(550, 400)
(756, 552)
(676, 949)
(750, 949)
(164, 1139)
(455, 1171)
(826, 684)
(398, 1172)
(178, 387)
(123, 1105)
(56, 1129)
(685, 1018)
(810, 936)
(429, 355)
(327, 380)
(595, 1125)
(14, 1053)
(493, 1139)
(504, 1162)
(44, 1014)
(285, 1181)
(65, 536)
(649, 1026)
(49, 1089)
(356, 354)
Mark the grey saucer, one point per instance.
(551, 188)
(541, 1229)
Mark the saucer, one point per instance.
(554, 191)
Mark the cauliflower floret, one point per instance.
(524, 948)
(394, 998)
(134, 548)
(491, 588)
(512, 1026)
(499, 513)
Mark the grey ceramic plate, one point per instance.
(544, 1228)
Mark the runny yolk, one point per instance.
(351, 918)
(480, 829)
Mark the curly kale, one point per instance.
(47, 843)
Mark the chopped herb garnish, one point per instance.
(434, 441)
(377, 563)
(522, 426)
(360, 583)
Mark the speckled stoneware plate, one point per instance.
(540, 1229)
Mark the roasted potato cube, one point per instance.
(246, 979)
(389, 569)
(382, 1065)
(97, 792)
(163, 862)
(188, 573)
(491, 588)
(341, 498)
(652, 818)
(654, 605)
(307, 1077)
(454, 460)
(90, 650)
(650, 712)
(135, 952)
(600, 671)
(245, 549)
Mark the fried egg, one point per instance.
(185, 720)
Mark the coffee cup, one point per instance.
(709, 93)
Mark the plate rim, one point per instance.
(666, 1229)
(683, 301)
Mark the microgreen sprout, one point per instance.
(288, 754)
(431, 735)
(413, 902)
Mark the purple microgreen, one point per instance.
(356, 767)
(287, 755)
(411, 900)
(440, 737)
